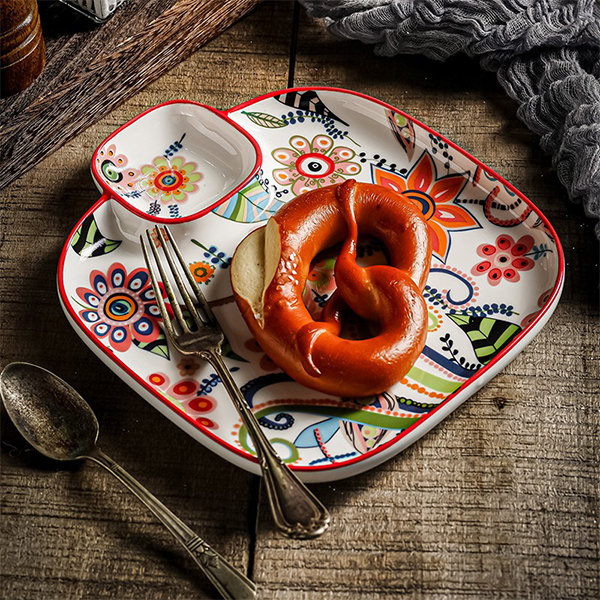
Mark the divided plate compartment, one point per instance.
(496, 277)
(173, 163)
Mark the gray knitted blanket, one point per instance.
(546, 54)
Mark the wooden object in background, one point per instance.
(91, 69)
(22, 50)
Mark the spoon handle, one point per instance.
(225, 577)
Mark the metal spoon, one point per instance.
(60, 424)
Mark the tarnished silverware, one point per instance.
(60, 424)
(296, 511)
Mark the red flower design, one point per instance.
(310, 165)
(505, 259)
(434, 196)
(186, 391)
(120, 307)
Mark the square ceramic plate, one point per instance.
(496, 276)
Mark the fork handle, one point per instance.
(296, 511)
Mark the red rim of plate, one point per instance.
(108, 191)
(396, 439)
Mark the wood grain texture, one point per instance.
(502, 499)
(90, 72)
(75, 533)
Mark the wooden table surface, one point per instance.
(500, 501)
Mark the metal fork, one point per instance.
(296, 511)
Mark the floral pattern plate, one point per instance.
(496, 277)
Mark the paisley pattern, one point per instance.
(115, 169)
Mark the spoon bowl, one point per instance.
(48, 412)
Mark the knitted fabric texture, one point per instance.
(545, 53)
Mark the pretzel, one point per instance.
(271, 265)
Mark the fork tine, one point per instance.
(208, 314)
(157, 291)
(165, 239)
(171, 295)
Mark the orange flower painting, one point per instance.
(435, 197)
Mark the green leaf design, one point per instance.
(88, 240)
(488, 336)
(251, 205)
(158, 346)
(265, 120)
(110, 245)
(237, 211)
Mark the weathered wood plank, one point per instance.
(88, 73)
(502, 499)
(76, 533)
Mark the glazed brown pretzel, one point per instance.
(269, 272)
